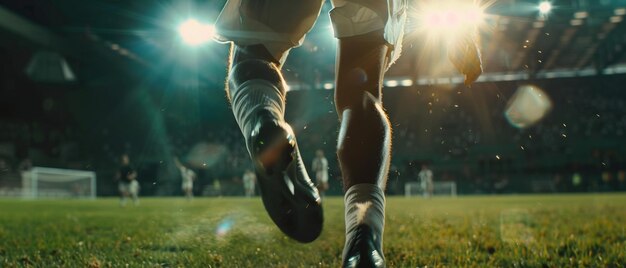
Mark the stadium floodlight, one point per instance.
(328, 86)
(581, 15)
(576, 22)
(545, 7)
(49, 67)
(406, 82)
(615, 19)
(195, 33)
(391, 83)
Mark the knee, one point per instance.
(363, 121)
(363, 108)
(352, 87)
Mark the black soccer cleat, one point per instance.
(288, 194)
(362, 250)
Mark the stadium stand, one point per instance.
(461, 132)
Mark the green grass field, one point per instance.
(498, 231)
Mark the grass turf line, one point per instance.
(497, 231)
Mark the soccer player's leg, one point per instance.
(188, 190)
(370, 34)
(363, 147)
(123, 189)
(134, 192)
(257, 90)
(257, 94)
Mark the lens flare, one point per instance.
(447, 31)
(449, 19)
(195, 33)
(224, 227)
(528, 106)
(545, 7)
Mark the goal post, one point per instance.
(441, 188)
(44, 182)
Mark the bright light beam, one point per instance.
(195, 33)
(448, 27)
(448, 20)
(545, 7)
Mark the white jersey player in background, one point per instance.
(249, 181)
(126, 177)
(188, 176)
(425, 177)
(320, 169)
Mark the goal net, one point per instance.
(442, 188)
(42, 182)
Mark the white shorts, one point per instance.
(123, 187)
(187, 185)
(130, 187)
(321, 177)
(134, 187)
(282, 24)
(248, 185)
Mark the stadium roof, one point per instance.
(578, 38)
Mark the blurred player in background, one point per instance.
(127, 184)
(249, 181)
(188, 176)
(425, 177)
(370, 36)
(320, 169)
